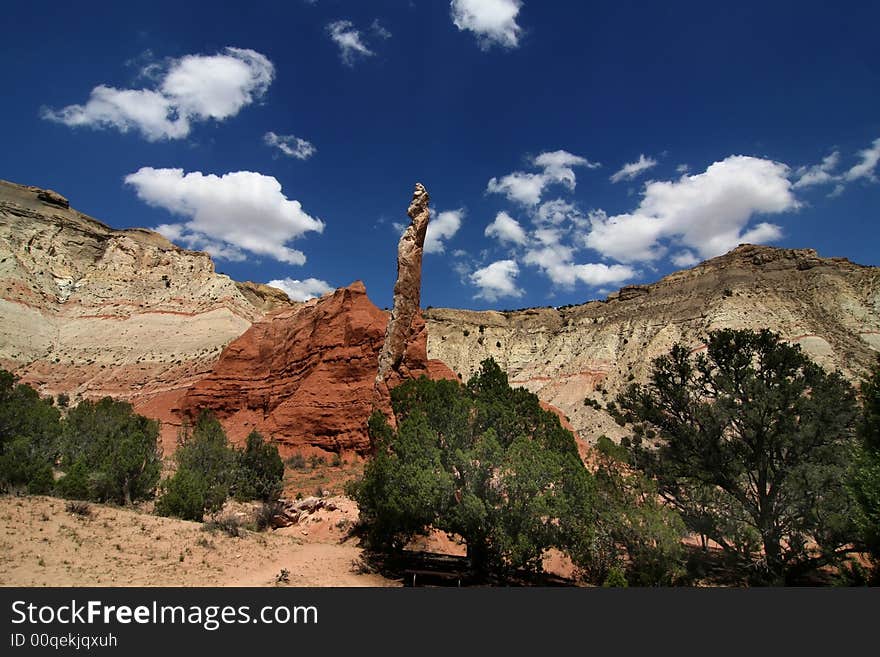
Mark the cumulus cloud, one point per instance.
(290, 145)
(706, 212)
(684, 259)
(441, 228)
(492, 21)
(506, 230)
(496, 280)
(190, 89)
(556, 262)
(227, 215)
(631, 170)
(526, 188)
(301, 290)
(348, 39)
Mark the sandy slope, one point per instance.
(41, 544)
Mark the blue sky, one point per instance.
(569, 147)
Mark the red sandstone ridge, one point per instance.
(305, 376)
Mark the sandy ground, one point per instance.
(42, 544)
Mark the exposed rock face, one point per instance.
(304, 376)
(831, 307)
(405, 335)
(92, 311)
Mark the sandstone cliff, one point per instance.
(304, 376)
(831, 307)
(92, 311)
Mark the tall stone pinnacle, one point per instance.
(407, 291)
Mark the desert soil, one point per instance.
(43, 544)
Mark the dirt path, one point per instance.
(42, 544)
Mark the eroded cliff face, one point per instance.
(92, 311)
(303, 376)
(830, 306)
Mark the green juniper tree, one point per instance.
(109, 453)
(753, 446)
(29, 431)
(484, 462)
(866, 473)
(205, 471)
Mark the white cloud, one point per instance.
(631, 170)
(193, 88)
(684, 259)
(351, 46)
(683, 168)
(818, 174)
(558, 212)
(823, 173)
(492, 21)
(555, 261)
(707, 212)
(227, 215)
(301, 290)
(865, 169)
(290, 145)
(441, 228)
(497, 280)
(379, 30)
(506, 230)
(527, 188)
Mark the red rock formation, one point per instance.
(304, 376)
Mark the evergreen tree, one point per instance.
(29, 431)
(205, 471)
(109, 453)
(753, 446)
(866, 475)
(259, 470)
(485, 462)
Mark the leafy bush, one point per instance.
(109, 453)
(259, 470)
(297, 461)
(205, 472)
(865, 479)
(485, 462)
(29, 431)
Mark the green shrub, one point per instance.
(29, 431)
(109, 453)
(205, 471)
(485, 462)
(184, 495)
(259, 470)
